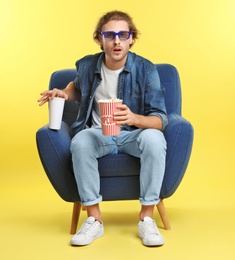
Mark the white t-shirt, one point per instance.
(106, 90)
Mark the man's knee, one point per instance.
(152, 139)
(81, 141)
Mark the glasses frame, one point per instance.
(116, 34)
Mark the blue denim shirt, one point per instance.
(138, 86)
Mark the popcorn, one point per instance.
(109, 100)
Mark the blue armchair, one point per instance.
(119, 174)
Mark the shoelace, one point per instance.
(87, 227)
(150, 227)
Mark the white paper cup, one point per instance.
(56, 108)
(107, 109)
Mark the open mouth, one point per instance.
(117, 50)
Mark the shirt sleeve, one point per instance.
(154, 97)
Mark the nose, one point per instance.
(116, 39)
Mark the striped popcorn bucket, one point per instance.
(107, 109)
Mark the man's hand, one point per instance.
(50, 94)
(125, 116)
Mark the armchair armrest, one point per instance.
(54, 152)
(179, 136)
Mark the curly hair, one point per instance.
(116, 16)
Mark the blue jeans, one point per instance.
(149, 145)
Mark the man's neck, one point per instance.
(114, 65)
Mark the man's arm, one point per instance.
(125, 116)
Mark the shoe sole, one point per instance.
(160, 243)
(74, 243)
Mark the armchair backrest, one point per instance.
(169, 79)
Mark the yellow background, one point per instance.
(198, 37)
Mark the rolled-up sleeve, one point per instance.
(154, 97)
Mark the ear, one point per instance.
(100, 40)
(131, 39)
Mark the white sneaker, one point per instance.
(90, 230)
(149, 233)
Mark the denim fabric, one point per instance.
(149, 145)
(138, 86)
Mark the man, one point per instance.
(117, 73)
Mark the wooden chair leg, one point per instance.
(75, 217)
(77, 208)
(163, 215)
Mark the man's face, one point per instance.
(115, 50)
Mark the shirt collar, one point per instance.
(127, 68)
